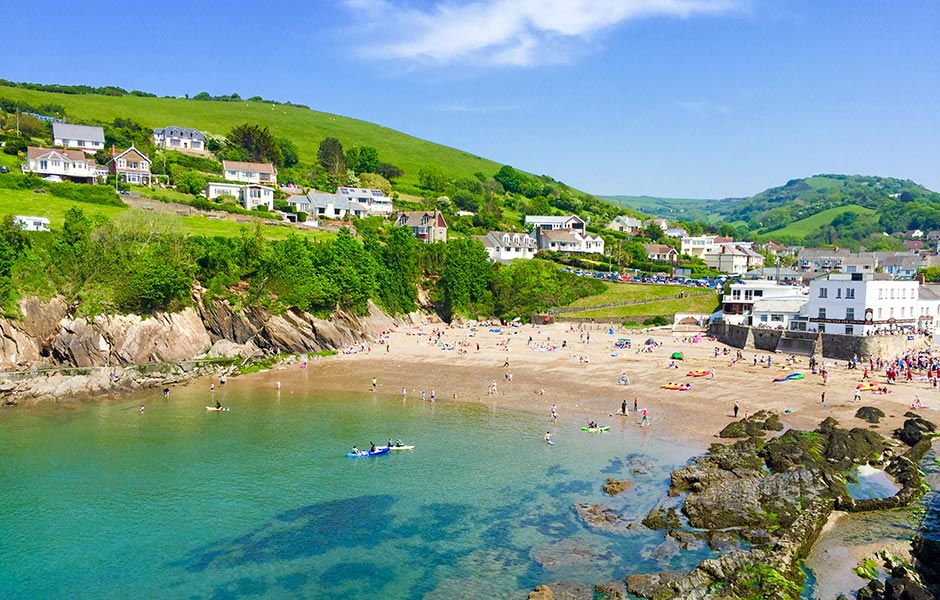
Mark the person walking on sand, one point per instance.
(432, 395)
(634, 404)
(374, 382)
(623, 407)
(822, 398)
(646, 418)
(858, 395)
(737, 407)
(554, 414)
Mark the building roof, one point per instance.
(351, 191)
(34, 152)
(658, 249)
(928, 292)
(516, 240)
(414, 218)
(627, 221)
(914, 244)
(773, 273)
(234, 165)
(784, 304)
(561, 235)
(171, 131)
(549, 219)
(68, 131)
(131, 149)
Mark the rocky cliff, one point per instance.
(49, 338)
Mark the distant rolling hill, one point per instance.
(674, 209)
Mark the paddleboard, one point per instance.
(223, 409)
(397, 447)
(550, 442)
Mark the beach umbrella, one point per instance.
(650, 342)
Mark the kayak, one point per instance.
(397, 447)
(596, 429)
(677, 386)
(216, 409)
(363, 454)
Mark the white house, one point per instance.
(859, 304)
(84, 137)
(696, 246)
(569, 240)
(504, 246)
(71, 165)
(31, 223)
(661, 253)
(676, 232)
(625, 224)
(776, 313)
(739, 305)
(736, 259)
(182, 139)
(250, 195)
(249, 172)
(548, 223)
(376, 200)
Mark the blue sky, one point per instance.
(687, 98)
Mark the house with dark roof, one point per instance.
(130, 166)
(182, 139)
(84, 137)
(429, 227)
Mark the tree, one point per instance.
(431, 177)
(388, 171)
(258, 143)
(399, 291)
(189, 182)
(464, 283)
(653, 232)
(376, 182)
(288, 152)
(510, 179)
(331, 158)
(368, 160)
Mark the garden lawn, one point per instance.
(667, 308)
(22, 202)
(630, 292)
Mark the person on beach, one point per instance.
(548, 436)
(433, 395)
(554, 414)
(858, 395)
(737, 407)
(404, 392)
(356, 450)
(141, 408)
(646, 418)
(218, 405)
(278, 386)
(166, 392)
(222, 380)
(634, 404)
(623, 407)
(374, 382)
(212, 388)
(371, 446)
(822, 398)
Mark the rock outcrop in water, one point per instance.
(775, 496)
(87, 355)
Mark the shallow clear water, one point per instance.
(261, 501)
(871, 483)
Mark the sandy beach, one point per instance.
(581, 376)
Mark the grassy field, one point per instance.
(19, 202)
(809, 225)
(629, 292)
(668, 308)
(304, 127)
(676, 209)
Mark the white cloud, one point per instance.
(507, 32)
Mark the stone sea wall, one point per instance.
(829, 345)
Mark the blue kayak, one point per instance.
(363, 453)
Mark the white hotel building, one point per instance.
(860, 304)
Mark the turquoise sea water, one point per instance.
(262, 502)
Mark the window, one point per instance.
(122, 163)
(254, 193)
(850, 293)
(143, 166)
(133, 165)
(822, 313)
(880, 313)
(850, 314)
(777, 318)
(763, 318)
(849, 330)
(881, 294)
(43, 164)
(823, 293)
(838, 293)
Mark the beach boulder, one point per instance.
(915, 429)
(615, 486)
(542, 592)
(869, 414)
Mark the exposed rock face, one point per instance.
(542, 592)
(755, 425)
(603, 519)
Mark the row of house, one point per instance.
(844, 303)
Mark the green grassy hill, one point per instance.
(809, 225)
(304, 127)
